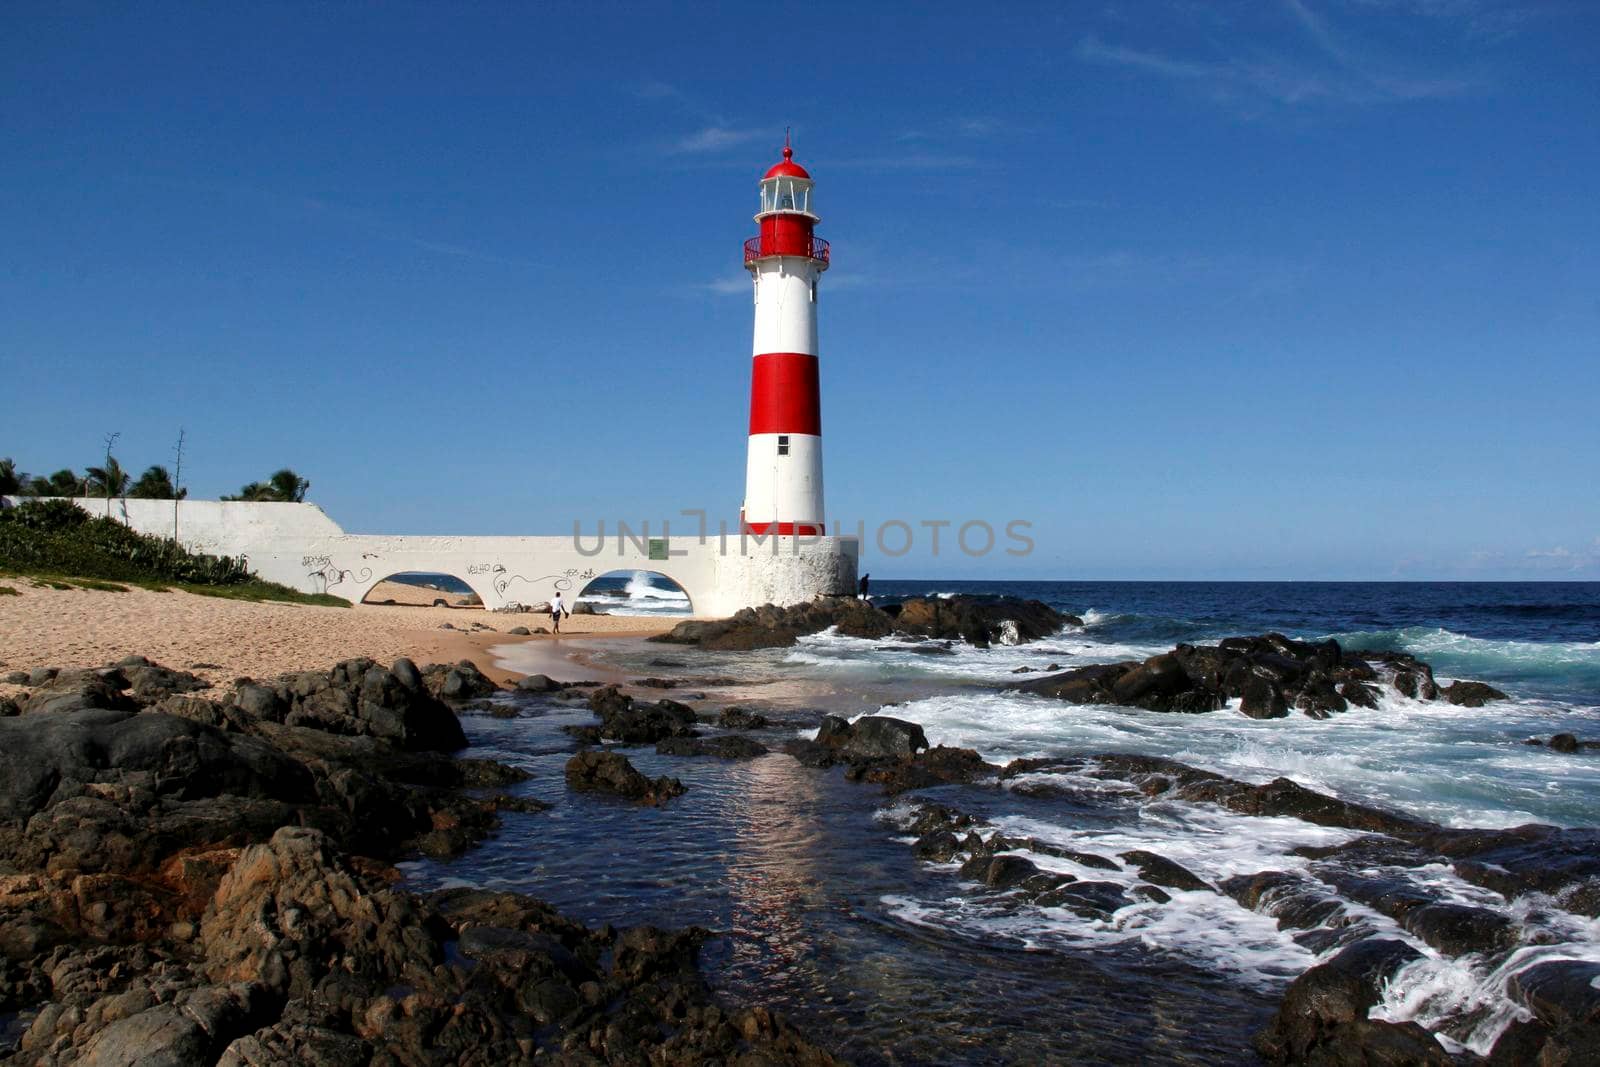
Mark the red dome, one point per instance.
(788, 168)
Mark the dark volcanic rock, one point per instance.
(980, 621)
(737, 718)
(977, 620)
(1261, 699)
(79, 690)
(185, 900)
(721, 747)
(934, 766)
(872, 737)
(461, 681)
(1269, 675)
(1162, 871)
(1560, 993)
(623, 719)
(1282, 796)
(1323, 1016)
(1471, 694)
(608, 772)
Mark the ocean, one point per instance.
(822, 909)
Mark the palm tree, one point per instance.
(285, 486)
(156, 484)
(289, 486)
(62, 483)
(108, 481)
(253, 491)
(11, 482)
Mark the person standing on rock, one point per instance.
(866, 583)
(557, 609)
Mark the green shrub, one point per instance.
(58, 537)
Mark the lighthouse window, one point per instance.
(783, 444)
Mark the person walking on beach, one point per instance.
(557, 609)
(866, 583)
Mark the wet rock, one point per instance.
(537, 683)
(1525, 859)
(1004, 872)
(1162, 871)
(460, 681)
(1416, 683)
(978, 620)
(519, 631)
(1282, 796)
(937, 846)
(1457, 929)
(1359, 694)
(583, 734)
(623, 719)
(1091, 900)
(1082, 685)
(872, 737)
(1471, 694)
(608, 772)
(1560, 993)
(737, 718)
(1261, 699)
(934, 766)
(812, 753)
(721, 747)
(1564, 743)
(1323, 1015)
(1268, 675)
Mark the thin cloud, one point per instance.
(725, 286)
(1484, 21)
(310, 207)
(927, 161)
(832, 282)
(1342, 71)
(714, 138)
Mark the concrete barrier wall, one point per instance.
(299, 546)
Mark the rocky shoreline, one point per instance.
(1324, 1014)
(194, 878)
(187, 880)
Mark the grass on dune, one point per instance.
(56, 544)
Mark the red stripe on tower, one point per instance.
(785, 396)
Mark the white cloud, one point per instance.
(1342, 69)
(714, 138)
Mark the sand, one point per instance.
(414, 595)
(44, 627)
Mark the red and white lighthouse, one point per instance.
(783, 472)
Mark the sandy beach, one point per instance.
(42, 627)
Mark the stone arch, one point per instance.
(643, 591)
(423, 588)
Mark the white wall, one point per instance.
(299, 546)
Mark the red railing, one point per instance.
(752, 250)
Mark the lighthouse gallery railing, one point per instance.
(752, 250)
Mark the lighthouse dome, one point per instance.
(788, 168)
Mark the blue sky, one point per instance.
(1299, 289)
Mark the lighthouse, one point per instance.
(783, 469)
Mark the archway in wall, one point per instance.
(423, 589)
(636, 592)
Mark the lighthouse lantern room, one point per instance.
(783, 473)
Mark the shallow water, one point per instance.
(826, 913)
